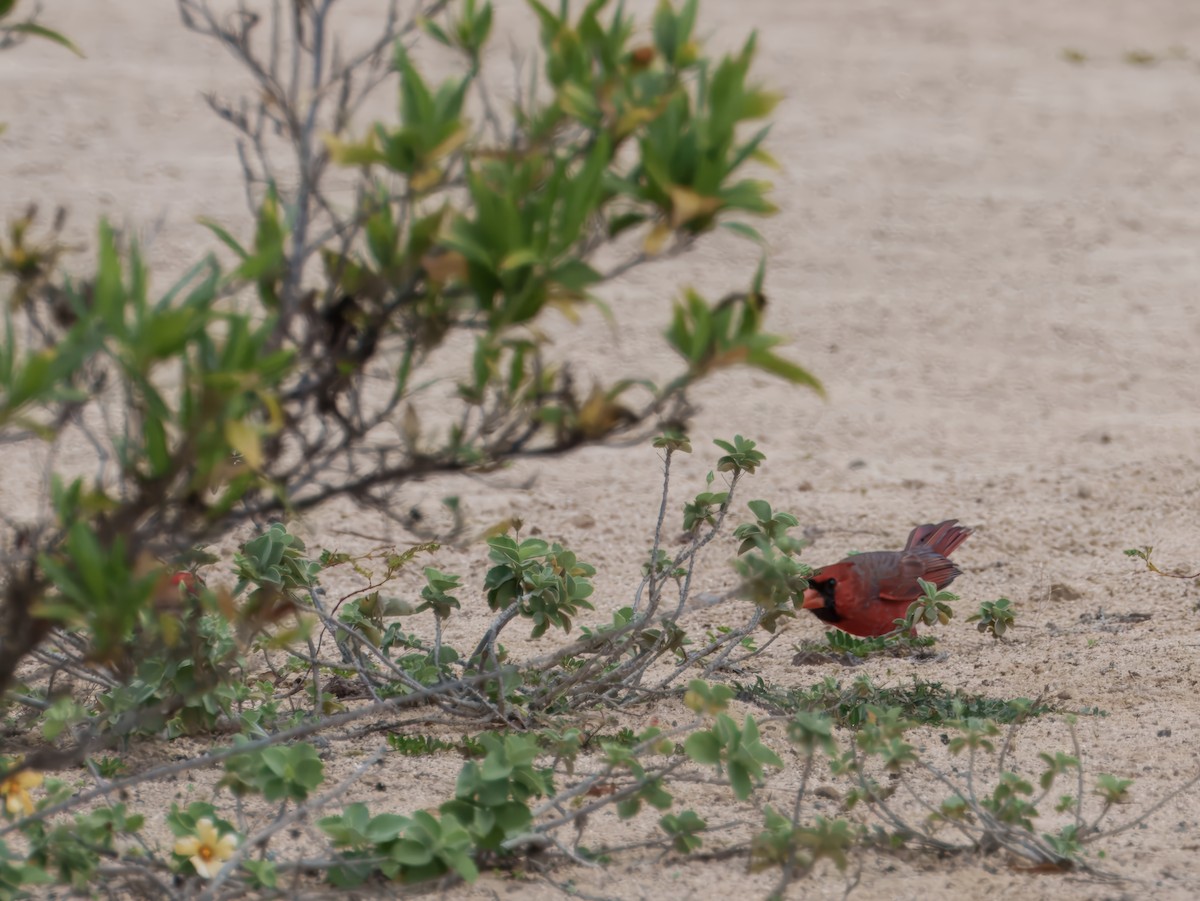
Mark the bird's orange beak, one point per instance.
(813, 599)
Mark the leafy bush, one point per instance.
(206, 413)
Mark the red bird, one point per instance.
(866, 593)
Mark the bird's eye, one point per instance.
(832, 583)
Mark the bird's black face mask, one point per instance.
(826, 589)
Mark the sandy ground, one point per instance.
(986, 250)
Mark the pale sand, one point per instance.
(989, 255)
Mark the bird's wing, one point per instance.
(888, 575)
(899, 581)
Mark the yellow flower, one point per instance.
(15, 791)
(206, 849)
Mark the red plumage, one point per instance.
(866, 593)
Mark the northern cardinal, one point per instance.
(866, 593)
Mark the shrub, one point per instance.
(241, 395)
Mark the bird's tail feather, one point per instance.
(942, 538)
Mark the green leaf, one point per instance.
(703, 747)
(749, 150)
(575, 275)
(518, 258)
(225, 237)
(758, 104)
(349, 153)
(495, 768)
(760, 509)
(629, 807)
(108, 293)
(745, 231)
(625, 221)
(156, 446)
(411, 853)
(460, 236)
(166, 334)
(434, 30)
(43, 32)
(740, 781)
(263, 872)
(385, 827)
(579, 103)
(797, 375)
(533, 547)
(748, 195)
(583, 193)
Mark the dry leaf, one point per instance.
(656, 240)
(244, 438)
(687, 205)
